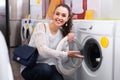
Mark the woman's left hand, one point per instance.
(70, 37)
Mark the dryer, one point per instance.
(100, 42)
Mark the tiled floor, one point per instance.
(15, 66)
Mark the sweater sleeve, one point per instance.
(40, 40)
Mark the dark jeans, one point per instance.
(41, 71)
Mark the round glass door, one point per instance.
(92, 53)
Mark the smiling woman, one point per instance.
(46, 37)
(62, 17)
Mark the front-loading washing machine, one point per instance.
(100, 42)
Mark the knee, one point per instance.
(45, 70)
(38, 72)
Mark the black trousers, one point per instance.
(41, 71)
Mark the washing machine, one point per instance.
(28, 26)
(100, 42)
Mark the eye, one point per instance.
(63, 15)
(57, 13)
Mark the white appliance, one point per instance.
(100, 42)
(28, 25)
(5, 66)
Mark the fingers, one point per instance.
(75, 54)
(70, 36)
(79, 56)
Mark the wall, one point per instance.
(116, 8)
(96, 6)
(107, 9)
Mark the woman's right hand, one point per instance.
(75, 54)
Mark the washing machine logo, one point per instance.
(104, 42)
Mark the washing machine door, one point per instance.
(92, 52)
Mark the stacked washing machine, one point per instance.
(28, 26)
(100, 43)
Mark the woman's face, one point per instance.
(60, 16)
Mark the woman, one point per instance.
(45, 38)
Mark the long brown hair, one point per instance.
(68, 25)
